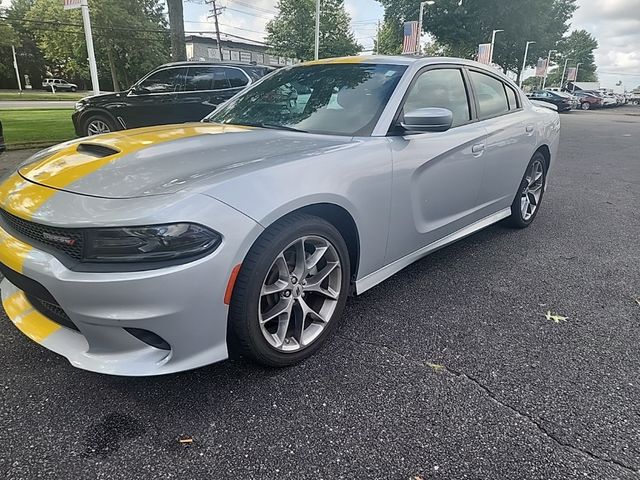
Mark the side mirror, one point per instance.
(428, 120)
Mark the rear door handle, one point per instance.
(477, 149)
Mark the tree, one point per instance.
(176, 23)
(579, 47)
(460, 28)
(130, 38)
(389, 41)
(291, 32)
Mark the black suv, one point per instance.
(172, 93)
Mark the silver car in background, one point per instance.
(142, 252)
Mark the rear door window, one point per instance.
(491, 94)
(200, 78)
(236, 77)
(513, 98)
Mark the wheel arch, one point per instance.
(546, 152)
(97, 112)
(341, 219)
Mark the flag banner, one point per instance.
(484, 53)
(541, 69)
(411, 38)
(69, 4)
(572, 73)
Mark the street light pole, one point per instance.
(422, 4)
(493, 43)
(524, 63)
(93, 68)
(317, 44)
(574, 82)
(546, 70)
(564, 72)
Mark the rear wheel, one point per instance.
(97, 125)
(585, 106)
(290, 291)
(73, 89)
(526, 205)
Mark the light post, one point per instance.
(317, 43)
(422, 4)
(493, 42)
(524, 63)
(546, 70)
(564, 71)
(574, 82)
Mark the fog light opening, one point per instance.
(149, 338)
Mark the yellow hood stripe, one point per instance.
(29, 321)
(66, 165)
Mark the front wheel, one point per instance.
(290, 291)
(526, 205)
(586, 106)
(97, 125)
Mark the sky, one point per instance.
(615, 23)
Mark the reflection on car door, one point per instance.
(152, 101)
(437, 176)
(510, 141)
(205, 88)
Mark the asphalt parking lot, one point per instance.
(449, 370)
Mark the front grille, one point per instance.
(52, 311)
(67, 240)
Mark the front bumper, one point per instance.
(183, 304)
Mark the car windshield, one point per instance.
(338, 99)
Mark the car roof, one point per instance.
(213, 64)
(398, 60)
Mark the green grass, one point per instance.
(34, 128)
(40, 95)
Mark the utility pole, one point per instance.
(420, 18)
(564, 72)
(377, 51)
(15, 65)
(524, 63)
(317, 43)
(546, 70)
(214, 13)
(93, 68)
(493, 43)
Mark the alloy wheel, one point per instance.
(532, 192)
(97, 127)
(300, 294)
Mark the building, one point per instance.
(201, 48)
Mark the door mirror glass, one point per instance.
(428, 120)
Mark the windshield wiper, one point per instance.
(271, 126)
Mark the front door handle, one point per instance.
(530, 129)
(478, 149)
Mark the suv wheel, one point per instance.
(586, 105)
(97, 125)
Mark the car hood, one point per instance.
(103, 98)
(166, 159)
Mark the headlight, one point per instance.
(149, 244)
(79, 106)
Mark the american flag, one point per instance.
(411, 38)
(484, 53)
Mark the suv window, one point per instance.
(164, 81)
(236, 77)
(442, 88)
(199, 78)
(492, 98)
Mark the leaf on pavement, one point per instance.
(555, 318)
(436, 367)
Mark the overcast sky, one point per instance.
(615, 23)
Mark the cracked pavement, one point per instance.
(448, 370)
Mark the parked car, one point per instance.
(142, 252)
(3, 146)
(173, 93)
(588, 100)
(563, 102)
(57, 84)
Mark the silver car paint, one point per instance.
(407, 196)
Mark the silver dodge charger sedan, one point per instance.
(148, 251)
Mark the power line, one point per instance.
(71, 24)
(253, 7)
(248, 13)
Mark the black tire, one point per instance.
(585, 106)
(244, 329)
(517, 220)
(73, 89)
(96, 117)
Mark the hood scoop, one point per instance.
(96, 150)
